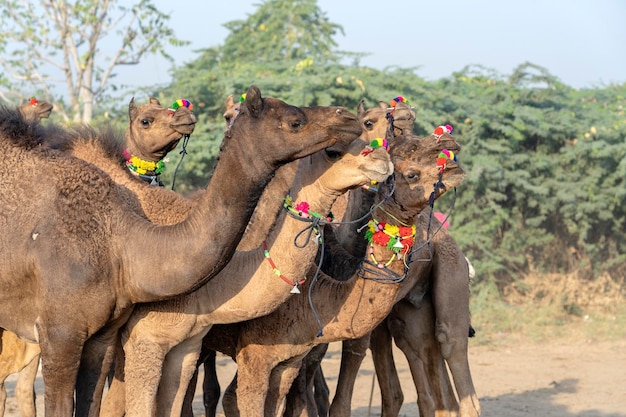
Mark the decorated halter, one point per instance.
(374, 144)
(397, 239)
(300, 211)
(181, 102)
(392, 107)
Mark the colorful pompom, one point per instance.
(33, 101)
(181, 102)
(443, 158)
(441, 130)
(375, 144)
(397, 100)
(242, 98)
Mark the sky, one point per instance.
(582, 42)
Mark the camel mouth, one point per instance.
(184, 128)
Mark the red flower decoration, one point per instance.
(380, 238)
(302, 207)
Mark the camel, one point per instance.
(16, 355)
(268, 350)
(151, 131)
(79, 276)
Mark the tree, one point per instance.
(80, 43)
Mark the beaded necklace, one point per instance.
(277, 272)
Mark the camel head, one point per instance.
(232, 109)
(342, 167)
(291, 132)
(376, 121)
(153, 130)
(418, 165)
(35, 110)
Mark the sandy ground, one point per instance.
(586, 379)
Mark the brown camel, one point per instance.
(377, 122)
(268, 350)
(151, 130)
(16, 355)
(79, 276)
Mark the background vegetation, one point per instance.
(545, 193)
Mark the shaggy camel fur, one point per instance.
(168, 335)
(268, 350)
(80, 276)
(377, 122)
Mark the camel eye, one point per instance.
(412, 176)
(296, 124)
(145, 122)
(333, 154)
(369, 125)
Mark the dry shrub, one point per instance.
(576, 295)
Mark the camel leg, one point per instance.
(322, 393)
(382, 355)
(25, 388)
(96, 361)
(114, 402)
(229, 400)
(281, 380)
(60, 355)
(210, 385)
(142, 374)
(413, 330)
(178, 369)
(3, 396)
(352, 354)
(450, 296)
(307, 392)
(187, 410)
(296, 398)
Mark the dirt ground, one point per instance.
(513, 379)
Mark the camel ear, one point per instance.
(360, 108)
(229, 102)
(383, 105)
(253, 101)
(132, 109)
(154, 100)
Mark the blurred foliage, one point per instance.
(546, 163)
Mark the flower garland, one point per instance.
(397, 239)
(277, 272)
(142, 167)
